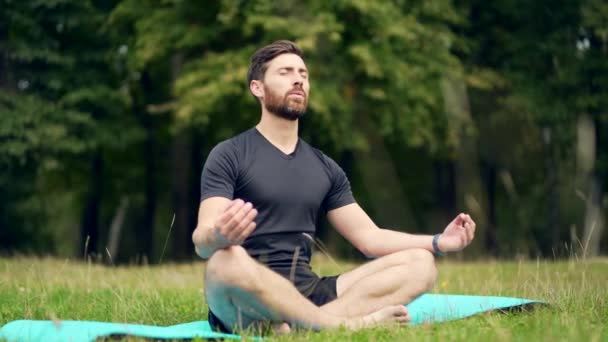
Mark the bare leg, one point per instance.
(241, 291)
(394, 279)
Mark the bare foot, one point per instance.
(390, 314)
(266, 327)
(281, 328)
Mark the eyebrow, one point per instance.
(292, 69)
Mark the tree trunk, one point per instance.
(470, 196)
(587, 152)
(4, 59)
(145, 230)
(3, 67)
(552, 225)
(445, 187)
(389, 203)
(445, 195)
(89, 229)
(181, 183)
(490, 181)
(594, 218)
(116, 229)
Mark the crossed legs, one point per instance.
(397, 278)
(241, 291)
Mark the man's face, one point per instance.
(286, 87)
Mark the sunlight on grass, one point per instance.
(44, 288)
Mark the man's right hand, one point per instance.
(235, 224)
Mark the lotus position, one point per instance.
(262, 192)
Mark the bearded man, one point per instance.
(262, 192)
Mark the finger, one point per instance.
(467, 218)
(253, 213)
(225, 218)
(464, 240)
(473, 226)
(247, 232)
(236, 224)
(232, 207)
(469, 231)
(458, 219)
(462, 218)
(241, 213)
(244, 221)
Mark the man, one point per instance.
(261, 194)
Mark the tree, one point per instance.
(549, 77)
(61, 105)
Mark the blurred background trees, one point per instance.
(108, 109)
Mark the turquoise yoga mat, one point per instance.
(428, 308)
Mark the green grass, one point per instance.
(32, 288)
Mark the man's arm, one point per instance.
(221, 223)
(352, 222)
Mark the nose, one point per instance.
(298, 80)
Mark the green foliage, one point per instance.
(535, 68)
(59, 102)
(58, 82)
(377, 59)
(32, 130)
(125, 79)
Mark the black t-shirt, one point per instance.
(289, 192)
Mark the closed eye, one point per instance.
(288, 70)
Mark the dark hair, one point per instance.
(260, 59)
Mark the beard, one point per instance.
(284, 107)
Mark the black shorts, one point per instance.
(323, 291)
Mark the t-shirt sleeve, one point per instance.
(220, 172)
(340, 193)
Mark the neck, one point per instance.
(280, 132)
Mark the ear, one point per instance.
(257, 88)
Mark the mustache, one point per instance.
(297, 91)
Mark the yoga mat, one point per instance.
(434, 308)
(76, 331)
(428, 308)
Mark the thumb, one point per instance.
(459, 219)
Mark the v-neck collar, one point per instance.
(281, 153)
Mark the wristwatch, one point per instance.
(436, 249)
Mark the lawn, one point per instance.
(34, 288)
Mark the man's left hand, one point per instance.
(458, 234)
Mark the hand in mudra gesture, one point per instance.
(457, 234)
(235, 224)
